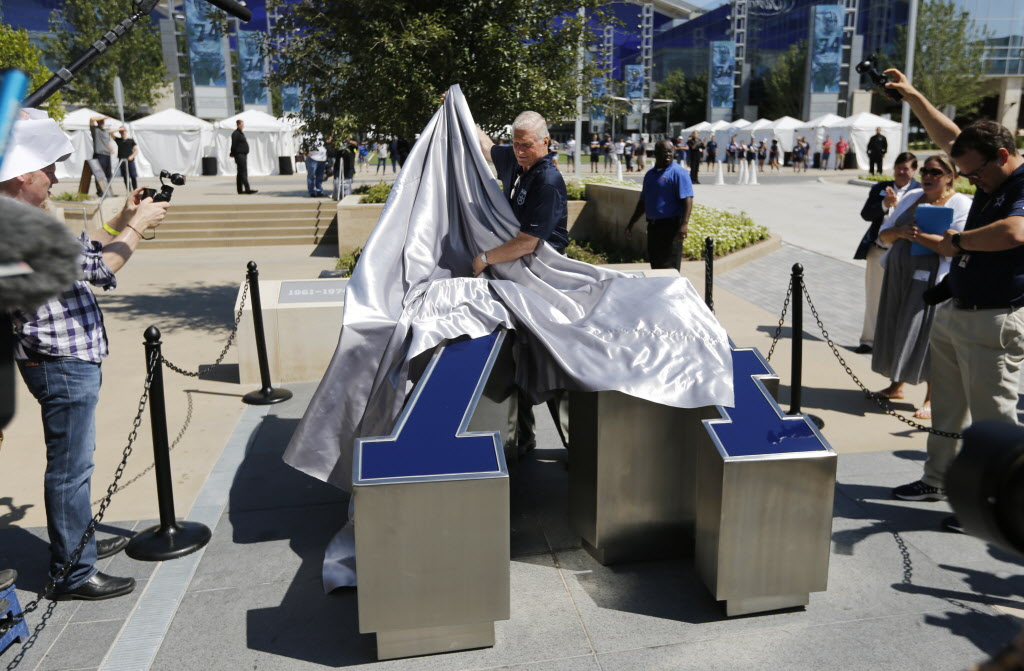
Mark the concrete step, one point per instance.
(189, 222)
(238, 232)
(295, 206)
(197, 215)
(183, 243)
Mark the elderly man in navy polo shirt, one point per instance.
(667, 199)
(977, 339)
(536, 192)
(533, 186)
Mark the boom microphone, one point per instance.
(39, 258)
(233, 8)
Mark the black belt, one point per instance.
(964, 305)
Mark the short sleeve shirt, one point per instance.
(664, 191)
(100, 141)
(537, 196)
(992, 278)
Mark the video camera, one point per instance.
(166, 190)
(869, 68)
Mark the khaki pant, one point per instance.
(874, 273)
(976, 361)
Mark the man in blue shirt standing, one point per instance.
(977, 338)
(667, 199)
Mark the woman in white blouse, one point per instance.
(904, 320)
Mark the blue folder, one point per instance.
(931, 219)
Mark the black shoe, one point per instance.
(919, 491)
(951, 523)
(863, 349)
(7, 577)
(252, 191)
(100, 586)
(108, 547)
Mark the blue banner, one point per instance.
(827, 48)
(290, 98)
(634, 81)
(598, 91)
(721, 78)
(250, 68)
(206, 61)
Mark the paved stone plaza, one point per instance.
(252, 599)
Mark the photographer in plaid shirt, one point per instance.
(59, 349)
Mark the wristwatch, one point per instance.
(955, 239)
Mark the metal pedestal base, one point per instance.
(161, 543)
(267, 396)
(431, 640)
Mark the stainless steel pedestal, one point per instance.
(432, 508)
(631, 494)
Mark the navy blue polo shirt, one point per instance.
(539, 201)
(664, 191)
(992, 278)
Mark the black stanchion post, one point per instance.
(170, 539)
(797, 282)
(266, 395)
(797, 365)
(709, 272)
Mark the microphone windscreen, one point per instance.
(34, 237)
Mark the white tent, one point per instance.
(171, 140)
(716, 132)
(761, 130)
(76, 125)
(859, 128)
(268, 139)
(703, 130)
(816, 129)
(783, 130)
(736, 128)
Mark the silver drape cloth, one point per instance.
(584, 327)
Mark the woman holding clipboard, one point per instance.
(914, 230)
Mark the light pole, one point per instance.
(905, 106)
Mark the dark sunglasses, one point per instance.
(933, 172)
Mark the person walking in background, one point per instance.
(695, 151)
(595, 152)
(570, 152)
(316, 166)
(640, 153)
(627, 154)
(240, 152)
(712, 153)
(826, 152)
(841, 148)
(798, 155)
(762, 155)
(102, 148)
(127, 150)
(620, 151)
(882, 198)
(608, 148)
(680, 151)
(382, 157)
(667, 201)
(730, 154)
(773, 155)
(878, 146)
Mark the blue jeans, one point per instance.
(315, 176)
(67, 390)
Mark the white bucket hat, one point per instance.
(34, 144)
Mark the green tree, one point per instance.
(16, 51)
(386, 63)
(136, 57)
(784, 84)
(948, 53)
(689, 96)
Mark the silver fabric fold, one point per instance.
(578, 326)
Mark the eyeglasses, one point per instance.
(933, 172)
(976, 174)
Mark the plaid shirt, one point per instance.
(70, 324)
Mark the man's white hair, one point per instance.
(531, 121)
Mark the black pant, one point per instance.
(694, 169)
(663, 250)
(104, 160)
(242, 178)
(128, 172)
(873, 161)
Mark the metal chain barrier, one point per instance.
(782, 319)
(227, 345)
(90, 530)
(908, 575)
(882, 404)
